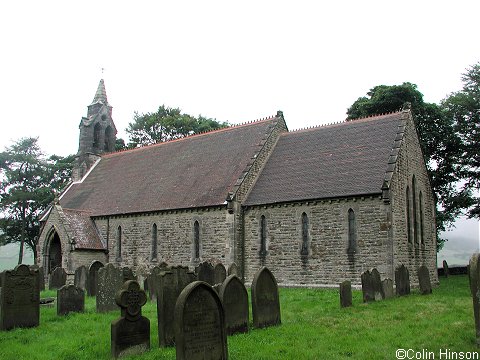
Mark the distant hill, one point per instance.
(9, 256)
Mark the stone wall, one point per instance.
(175, 237)
(328, 261)
(409, 164)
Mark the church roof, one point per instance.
(196, 171)
(344, 159)
(100, 94)
(83, 230)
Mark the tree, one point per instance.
(167, 124)
(438, 139)
(463, 109)
(28, 184)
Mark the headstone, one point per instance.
(445, 268)
(92, 278)
(58, 278)
(109, 281)
(424, 280)
(70, 298)
(234, 297)
(387, 286)
(128, 274)
(200, 324)
(81, 277)
(474, 276)
(152, 279)
(169, 286)
(345, 294)
(131, 332)
(402, 280)
(19, 298)
(41, 279)
(205, 272)
(265, 299)
(233, 270)
(220, 273)
(368, 288)
(377, 285)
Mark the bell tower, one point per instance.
(97, 133)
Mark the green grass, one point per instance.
(313, 327)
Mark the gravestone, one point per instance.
(387, 287)
(474, 276)
(130, 334)
(424, 280)
(70, 298)
(41, 278)
(81, 277)
(233, 270)
(152, 279)
(205, 272)
(377, 285)
(19, 298)
(402, 280)
(128, 274)
(445, 268)
(368, 287)
(58, 278)
(345, 294)
(265, 300)
(200, 324)
(169, 286)
(109, 281)
(92, 278)
(220, 274)
(234, 297)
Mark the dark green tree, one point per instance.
(167, 124)
(439, 141)
(463, 109)
(28, 184)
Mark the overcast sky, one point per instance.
(233, 61)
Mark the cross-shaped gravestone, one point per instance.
(130, 333)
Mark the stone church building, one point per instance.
(317, 206)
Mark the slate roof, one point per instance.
(196, 171)
(83, 230)
(339, 160)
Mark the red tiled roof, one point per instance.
(344, 159)
(196, 171)
(83, 230)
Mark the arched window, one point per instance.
(119, 243)
(304, 248)
(108, 139)
(422, 235)
(263, 236)
(409, 225)
(414, 208)
(196, 239)
(154, 241)
(352, 231)
(96, 136)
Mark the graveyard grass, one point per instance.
(313, 327)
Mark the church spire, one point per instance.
(101, 94)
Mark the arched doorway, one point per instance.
(54, 252)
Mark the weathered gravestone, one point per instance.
(205, 272)
(234, 298)
(128, 274)
(368, 288)
(92, 278)
(200, 324)
(446, 272)
(130, 334)
(19, 298)
(387, 287)
(233, 270)
(474, 276)
(81, 277)
(424, 280)
(152, 279)
(41, 278)
(265, 300)
(220, 274)
(169, 285)
(58, 278)
(109, 281)
(345, 294)
(70, 298)
(402, 281)
(377, 285)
